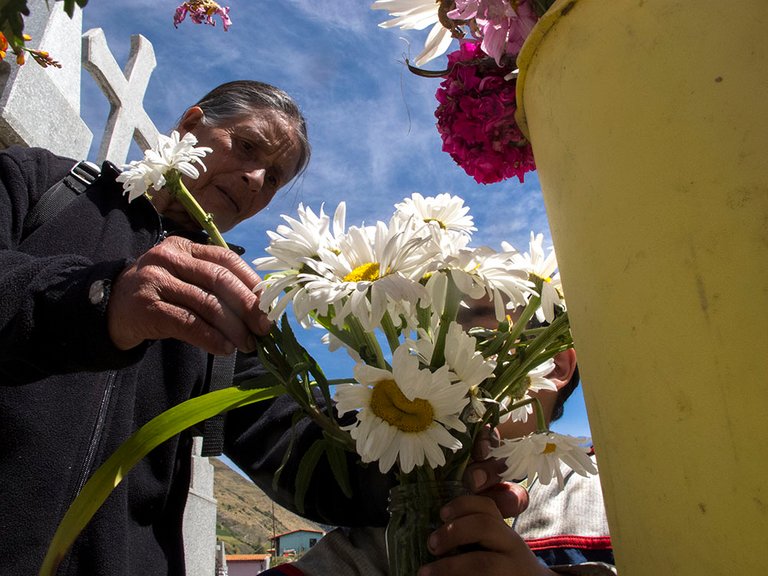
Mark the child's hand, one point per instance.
(483, 476)
(476, 521)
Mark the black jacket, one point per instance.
(69, 398)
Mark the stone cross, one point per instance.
(127, 118)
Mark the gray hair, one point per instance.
(240, 97)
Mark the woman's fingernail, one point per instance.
(251, 343)
(265, 324)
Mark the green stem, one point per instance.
(334, 381)
(367, 345)
(528, 312)
(204, 219)
(551, 341)
(343, 336)
(388, 326)
(451, 309)
(541, 423)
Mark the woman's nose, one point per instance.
(254, 178)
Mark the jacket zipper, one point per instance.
(98, 430)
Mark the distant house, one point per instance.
(295, 542)
(247, 564)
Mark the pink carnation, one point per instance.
(503, 26)
(476, 118)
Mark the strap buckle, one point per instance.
(85, 172)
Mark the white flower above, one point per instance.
(542, 266)
(403, 415)
(541, 454)
(482, 272)
(293, 244)
(417, 15)
(172, 153)
(444, 211)
(374, 270)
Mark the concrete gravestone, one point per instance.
(41, 107)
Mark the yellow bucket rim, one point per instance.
(529, 48)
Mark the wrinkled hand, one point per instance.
(483, 477)
(179, 289)
(497, 550)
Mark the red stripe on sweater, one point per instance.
(568, 541)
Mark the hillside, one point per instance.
(244, 518)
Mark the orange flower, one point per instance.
(3, 46)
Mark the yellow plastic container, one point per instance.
(649, 124)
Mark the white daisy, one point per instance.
(292, 244)
(417, 15)
(541, 454)
(542, 266)
(376, 270)
(536, 380)
(138, 176)
(443, 211)
(172, 153)
(483, 272)
(403, 415)
(296, 252)
(175, 153)
(444, 217)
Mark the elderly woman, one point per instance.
(109, 309)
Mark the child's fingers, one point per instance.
(469, 504)
(486, 563)
(488, 532)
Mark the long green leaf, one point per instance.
(297, 416)
(304, 473)
(149, 436)
(337, 457)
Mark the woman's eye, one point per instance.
(246, 145)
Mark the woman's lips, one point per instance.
(230, 198)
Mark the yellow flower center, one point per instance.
(549, 448)
(439, 222)
(365, 272)
(390, 404)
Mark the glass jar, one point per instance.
(414, 513)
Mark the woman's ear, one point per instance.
(191, 119)
(565, 364)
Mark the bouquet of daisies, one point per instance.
(423, 386)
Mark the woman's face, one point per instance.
(253, 156)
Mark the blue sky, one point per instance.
(371, 122)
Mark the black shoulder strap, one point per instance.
(220, 372)
(60, 194)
